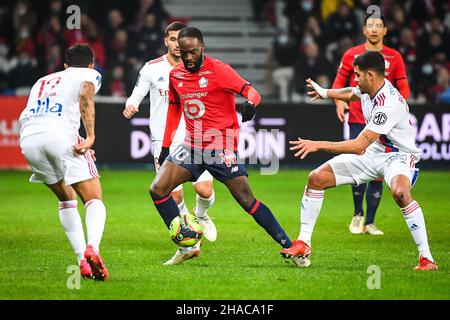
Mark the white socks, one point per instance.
(416, 224)
(182, 208)
(73, 227)
(203, 204)
(95, 222)
(309, 212)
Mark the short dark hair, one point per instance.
(191, 32)
(375, 15)
(370, 60)
(79, 55)
(174, 26)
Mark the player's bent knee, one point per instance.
(401, 195)
(204, 190)
(315, 180)
(155, 191)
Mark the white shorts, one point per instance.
(157, 146)
(51, 158)
(358, 169)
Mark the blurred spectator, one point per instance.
(153, 7)
(407, 48)
(23, 16)
(115, 23)
(311, 64)
(432, 38)
(120, 52)
(335, 51)
(313, 30)
(150, 39)
(24, 41)
(395, 23)
(298, 12)
(282, 56)
(95, 40)
(342, 23)
(23, 71)
(54, 59)
(115, 84)
(440, 92)
(57, 10)
(48, 37)
(423, 10)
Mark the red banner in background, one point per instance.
(10, 154)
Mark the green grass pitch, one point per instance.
(243, 263)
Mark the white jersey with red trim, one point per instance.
(388, 115)
(53, 102)
(154, 78)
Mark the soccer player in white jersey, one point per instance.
(61, 159)
(154, 78)
(384, 149)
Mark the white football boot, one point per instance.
(209, 228)
(357, 225)
(373, 230)
(183, 254)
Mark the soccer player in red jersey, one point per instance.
(374, 30)
(203, 88)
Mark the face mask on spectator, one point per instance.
(283, 39)
(307, 6)
(427, 69)
(24, 34)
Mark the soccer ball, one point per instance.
(185, 230)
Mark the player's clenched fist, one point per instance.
(130, 111)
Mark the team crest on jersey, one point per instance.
(203, 82)
(379, 118)
(161, 79)
(228, 157)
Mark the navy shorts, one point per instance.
(355, 129)
(222, 164)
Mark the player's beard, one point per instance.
(197, 65)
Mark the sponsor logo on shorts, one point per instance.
(396, 157)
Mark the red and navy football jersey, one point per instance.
(206, 99)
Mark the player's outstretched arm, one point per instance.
(87, 110)
(357, 146)
(317, 92)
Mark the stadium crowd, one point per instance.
(319, 32)
(124, 34)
